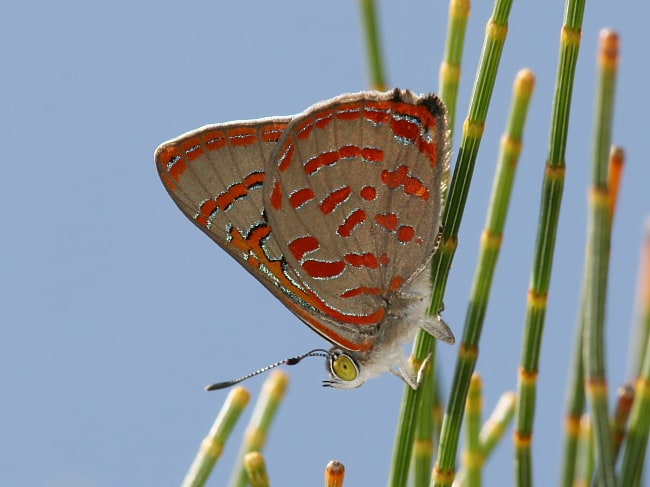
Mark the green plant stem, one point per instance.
(552, 188)
(641, 339)
(511, 144)
(450, 70)
(637, 432)
(473, 456)
(597, 267)
(214, 442)
(575, 408)
(624, 403)
(430, 407)
(496, 33)
(423, 443)
(459, 188)
(576, 395)
(637, 437)
(371, 33)
(625, 394)
(255, 467)
(585, 453)
(492, 432)
(498, 422)
(267, 405)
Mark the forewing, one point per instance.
(215, 175)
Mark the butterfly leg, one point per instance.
(406, 373)
(437, 328)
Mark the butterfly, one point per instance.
(336, 211)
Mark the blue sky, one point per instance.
(116, 311)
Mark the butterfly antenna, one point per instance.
(317, 352)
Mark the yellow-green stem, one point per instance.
(552, 188)
(267, 405)
(585, 453)
(511, 144)
(450, 70)
(597, 266)
(373, 47)
(473, 456)
(492, 431)
(624, 402)
(636, 445)
(255, 467)
(454, 206)
(214, 442)
(423, 442)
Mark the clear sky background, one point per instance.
(116, 311)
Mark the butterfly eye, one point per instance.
(344, 367)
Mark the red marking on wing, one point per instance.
(368, 193)
(356, 218)
(214, 139)
(401, 177)
(304, 128)
(330, 158)
(205, 210)
(242, 136)
(178, 168)
(254, 179)
(361, 290)
(226, 199)
(376, 116)
(334, 199)
(389, 221)
(192, 148)
(272, 132)
(396, 283)
(233, 193)
(430, 149)
(286, 157)
(319, 120)
(369, 154)
(324, 159)
(418, 112)
(257, 235)
(303, 245)
(428, 120)
(349, 151)
(363, 260)
(384, 111)
(320, 269)
(351, 111)
(405, 129)
(405, 233)
(323, 118)
(300, 197)
(276, 195)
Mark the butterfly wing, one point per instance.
(353, 195)
(215, 175)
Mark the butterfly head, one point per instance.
(343, 370)
(349, 370)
